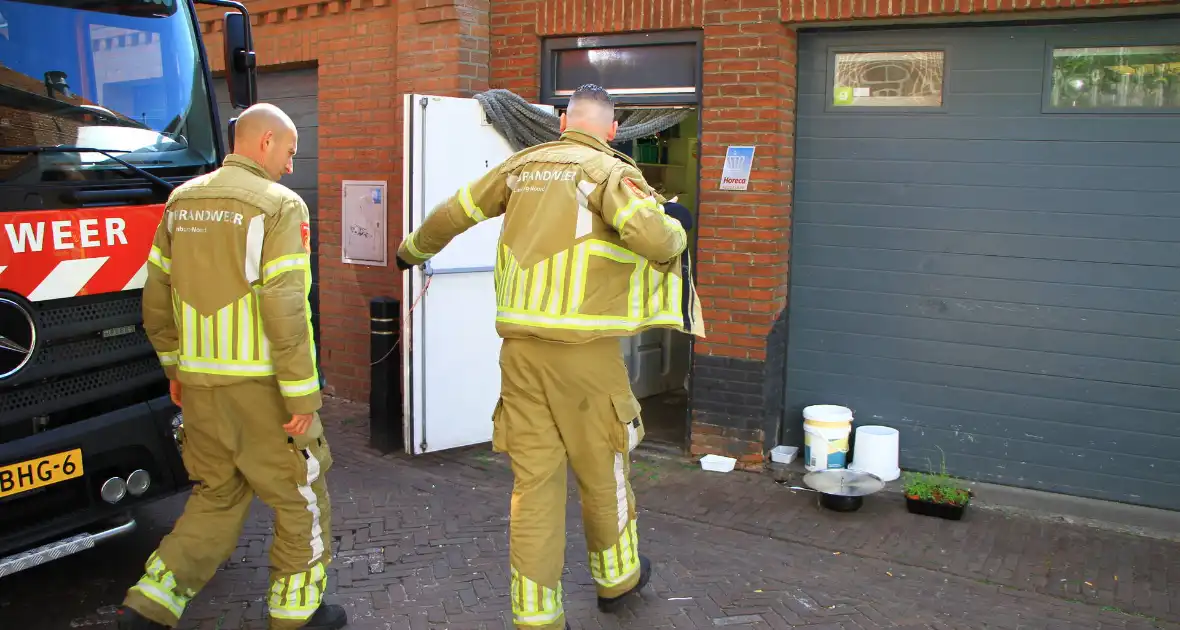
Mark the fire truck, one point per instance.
(105, 107)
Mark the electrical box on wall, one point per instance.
(364, 225)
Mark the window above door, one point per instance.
(637, 69)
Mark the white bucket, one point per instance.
(876, 452)
(825, 436)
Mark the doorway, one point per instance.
(660, 70)
(659, 361)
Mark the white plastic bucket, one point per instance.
(876, 452)
(825, 436)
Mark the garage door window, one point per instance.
(890, 79)
(1115, 77)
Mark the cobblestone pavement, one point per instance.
(422, 544)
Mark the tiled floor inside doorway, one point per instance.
(664, 418)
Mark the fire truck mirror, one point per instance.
(239, 60)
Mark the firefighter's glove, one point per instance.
(680, 213)
(403, 265)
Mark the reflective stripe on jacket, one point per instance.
(586, 250)
(226, 297)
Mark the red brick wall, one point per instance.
(517, 26)
(22, 127)
(830, 10)
(743, 251)
(749, 98)
(369, 53)
(743, 246)
(27, 128)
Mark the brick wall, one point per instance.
(21, 127)
(369, 53)
(744, 236)
(830, 10)
(749, 98)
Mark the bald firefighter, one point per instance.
(588, 253)
(225, 306)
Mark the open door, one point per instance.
(451, 363)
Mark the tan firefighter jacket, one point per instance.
(586, 250)
(226, 294)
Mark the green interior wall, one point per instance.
(669, 159)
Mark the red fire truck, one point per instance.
(105, 106)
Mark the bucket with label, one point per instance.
(825, 436)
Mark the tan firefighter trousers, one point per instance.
(234, 447)
(564, 403)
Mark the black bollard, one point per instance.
(385, 384)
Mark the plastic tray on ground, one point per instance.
(783, 454)
(718, 463)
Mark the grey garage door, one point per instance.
(997, 277)
(296, 93)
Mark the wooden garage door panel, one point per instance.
(301, 109)
(991, 220)
(296, 92)
(1060, 154)
(288, 84)
(311, 197)
(1146, 179)
(1022, 128)
(309, 141)
(303, 178)
(1084, 203)
(994, 281)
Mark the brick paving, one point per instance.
(422, 544)
(1055, 558)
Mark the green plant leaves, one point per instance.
(935, 487)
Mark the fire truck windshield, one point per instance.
(120, 75)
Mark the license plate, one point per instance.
(41, 472)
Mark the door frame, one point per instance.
(313, 297)
(551, 48)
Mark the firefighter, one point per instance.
(588, 253)
(225, 306)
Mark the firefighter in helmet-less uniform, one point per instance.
(588, 253)
(225, 306)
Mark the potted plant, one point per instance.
(935, 494)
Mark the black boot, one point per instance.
(327, 617)
(128, 619)
(613, 604)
